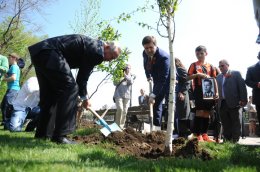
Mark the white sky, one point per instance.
(226, 27)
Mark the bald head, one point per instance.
(111, 51)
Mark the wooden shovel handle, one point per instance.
(95, 113)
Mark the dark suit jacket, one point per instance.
(73, 51)
(145, 100)
(159, 70)
(183, 86)
(252, 78)
(208, 94)
(234, 89)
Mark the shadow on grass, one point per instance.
(237, 160)
(246, 155)
(17, 140)
(24, 165)
(128, 163)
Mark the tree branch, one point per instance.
(104, 79)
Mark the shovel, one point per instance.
(151, 106)
(107, 129)
(102, 116)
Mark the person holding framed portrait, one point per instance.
(197, 72)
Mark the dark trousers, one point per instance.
(6, 104)
(258, 116)
(158, 109)
(230, 122)
(58, 96)
(200, 125)
(216, 122)
(34, 116)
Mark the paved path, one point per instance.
(250, 141)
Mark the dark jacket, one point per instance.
(74, 51)
(145, 100)
(183, 86)
(252, 79)
(159, 70)
(234, 89)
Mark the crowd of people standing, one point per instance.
(215, 91)
(222, 92)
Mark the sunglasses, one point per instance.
(221, 66)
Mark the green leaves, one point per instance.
(123, 17)
(167, 7)
(114, 68)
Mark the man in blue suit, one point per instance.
(157, 68)
(53, 59)
(232, 97)
(253, 81)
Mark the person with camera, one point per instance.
(122, 96)
(53, 59)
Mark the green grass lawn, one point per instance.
(21, 152)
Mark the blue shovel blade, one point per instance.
(113, 127)
(105, 131)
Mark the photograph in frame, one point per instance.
(208, 88)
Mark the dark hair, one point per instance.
(258, 56)
(148, 40)
(201, 48)
(207, 80)
(21, 63)
(178, 63)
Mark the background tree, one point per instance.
(16, 14)
(15, 23)
(88, 22)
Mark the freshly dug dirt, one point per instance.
(150, 146)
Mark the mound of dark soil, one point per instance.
(150, 146)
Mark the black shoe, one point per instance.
(63, 140)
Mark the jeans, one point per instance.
(34, 113)
(17, 120)
(6, 103)
(15, 123)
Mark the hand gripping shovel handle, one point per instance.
(102, 121)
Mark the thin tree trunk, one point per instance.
(171, 104)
